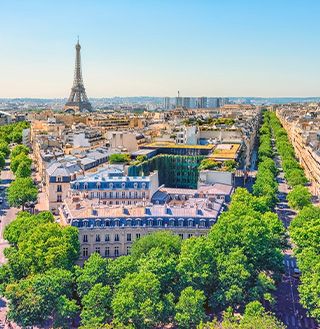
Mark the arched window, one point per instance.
(77, 186)
(138, 222)
(98, 185)
(159, 221)
(171, 222)
(129, 222)
(190, 222)
(180, 222)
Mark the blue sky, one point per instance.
(155, 48)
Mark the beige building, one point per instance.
(110, 230)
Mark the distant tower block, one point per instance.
(78, 100)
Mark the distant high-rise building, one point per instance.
(166, 103)
(202, 102)
(78, 100)
(213, 102)
(178, 100)
(223, 101)
(186, 102)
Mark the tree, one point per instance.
(197, 265)
(18, 229)
(169, 244)
(96, 307)
(296, 177)
(137, 301)
(18, 150)
(163, 266)
(40, 297)
(16, 161)
(2, 160)
(190, 308)
(4, 148)
(21, 191)
(43, 247)
(23, 170)
(93, 272)
(299, 197)
(254, 317)
(119, 158)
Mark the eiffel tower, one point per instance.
(78, 100)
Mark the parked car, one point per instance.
(281, 206)
(2, 187)
(296, 273)
(1, 199)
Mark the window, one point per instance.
(190, 235)
(59, 198)
(85, 186)
(138, 222)
(116, 222)
(136, 195)
(59, 188)
(98, 223)
(135, 185)
(98, 186)
(85, 238)
(98, 250)
(110, 185)
(143, 185)
(143, 194)
(138, 235)
(128, 250)
(181, 236)
(159, 222)
(97, 237)
(123, 185)
(190, 223)
(116, 251)
(77, 186)
(203, 223)
(116, 237)
(150, 222)
(106, 251)
(107, 237)
(129, 237)
(123, 195)
(117, 195)
(171, 222)
(85, 252)
(59, 179)
(130, 196)
(85, 224)
(180, 222)
(129, 222)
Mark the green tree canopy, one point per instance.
(190, 308)
(119, 158)
(299, 197)
(18, 150)
(16, 161)
(40, 297)
(96, 307)
(93, 272)
(21, 191)
(169, 244)
(24, 170)
(2, 160)
(4, 148)
(137, 301)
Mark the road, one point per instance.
(7, 214)
(287, 294)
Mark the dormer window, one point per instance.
(98, 185)
(77, 186)
(143, 185)
(135, 185)
(123, 185)
(85, 186)
(59, 179)
(111, 185)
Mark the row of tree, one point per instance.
(300, 196)
(22, 189)
(265, 184)
(304, 229)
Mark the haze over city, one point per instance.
(134, 48)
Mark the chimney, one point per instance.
(78, 206)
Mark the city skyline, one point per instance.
(155, 49)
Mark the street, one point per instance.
(7, 214)
(289, 309)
